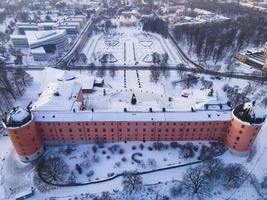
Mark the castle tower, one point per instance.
(247, 120)
(23, 133)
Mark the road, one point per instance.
(77, 47)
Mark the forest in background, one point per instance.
(217, 40)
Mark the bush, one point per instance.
(150, 148)
(158, 145)
(94, 149)
(114, 148)
(86, 164)
(124, 159)
(121, 151)
(95, 158)
(217, 148)
(108, 157)
(78, 168)
(141, 146)
(174, 145)
(117, 165)
(110, 174)
(133, 147)
(100, 144)
(104, 152)
(90, 174)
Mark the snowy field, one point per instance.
(18, 176)
(129, 47)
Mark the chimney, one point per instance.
(150, 110)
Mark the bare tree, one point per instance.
(234, 175)
(196, 185)
(213, 168)
(53, 169)
(131, 181)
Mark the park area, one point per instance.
(129, 47)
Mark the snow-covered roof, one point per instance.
(38, 50)
(175, 116)
(37, 38)
(254, 110)
(18, 37)
(65, 76)
(56, 75)
(19, 115)
(59, 96)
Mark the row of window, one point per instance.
(136, 130)
(137, 123)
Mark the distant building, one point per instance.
(255, 58)
(19, 41)
(22, 27)
(60, 117)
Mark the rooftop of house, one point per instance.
(34, 37)
(59, 96)
(55, 75)
(59, 90)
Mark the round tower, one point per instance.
(23, 133)
(247, 120)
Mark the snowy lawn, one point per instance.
(104, 160)
(128, 47)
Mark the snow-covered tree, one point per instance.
(195, 184)
(213, 168)
(131, 181)
(234, 175)
(53, 169)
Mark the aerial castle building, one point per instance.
(61, 116)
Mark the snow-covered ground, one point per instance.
(129, 47)
(12, 170)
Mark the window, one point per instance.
(243, 126)
(237, 138)
(70, 130)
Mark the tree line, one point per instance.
(12, 86)
(216, 40)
